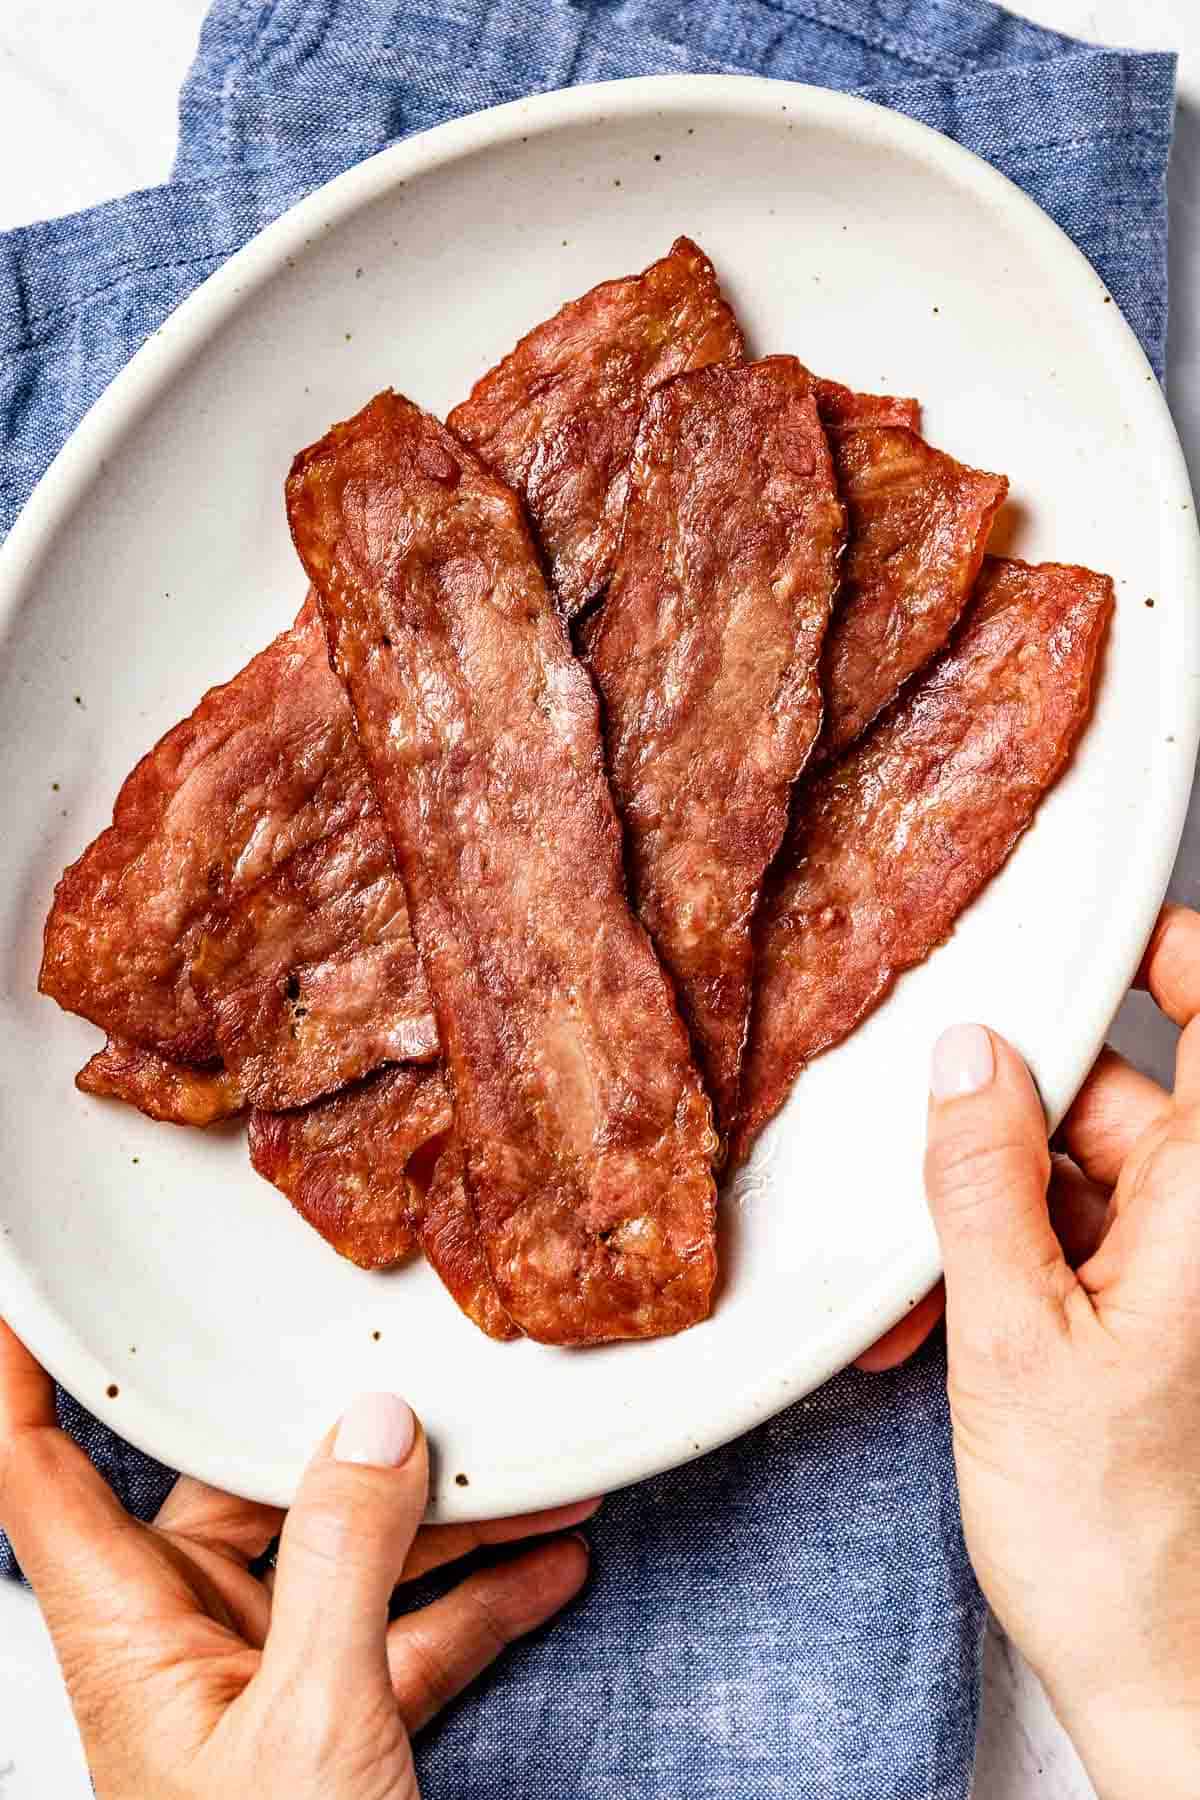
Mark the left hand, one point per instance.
(190, 1677)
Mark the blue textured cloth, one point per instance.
(793, 1615)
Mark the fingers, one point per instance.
(905, 1337)
(1080, 1211)
(440, 1544)
(344, 1545)
(1115, 1106)
(435, 1653)
(238, 1529)
(986, 1170)
(64, 1520)
(1171, 971)
(1170, 968)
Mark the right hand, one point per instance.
(1073, 1332)
(189, 1678)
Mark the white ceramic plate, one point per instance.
(161, 1280)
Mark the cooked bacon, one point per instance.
(452, 1244)
(842, 406)
(887, 847)
(708, 658)
(556, 419)
(585, 1132)
(376, 1171)
(355, 1165)
(265, 766)
(172, 1092)
(918, 528)
(312, 978)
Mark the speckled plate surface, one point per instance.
(160, 1279)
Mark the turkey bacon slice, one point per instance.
(708, 659)
(557, 418)
(585, 1133)
(888, 846)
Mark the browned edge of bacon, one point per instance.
(373, 1169)
(351, 1164)
(264, 766)
(918, 526)
(312, 978)
(708, 660)
(842, 406)
(887, 847)
(556, 419)
(171, 1092)
(452, 1244)
(585, 1132)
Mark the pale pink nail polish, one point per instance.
(376, 1428)
(963, 1062)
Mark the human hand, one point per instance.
(1073, 1333)
(189, 1677)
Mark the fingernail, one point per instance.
(963, 1062)
(377, 1429)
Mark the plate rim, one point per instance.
(169, 1434)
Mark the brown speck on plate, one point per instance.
(54, 784)
(376, 1335)
(1148, 603)
(112, 1390)
(461, 1481)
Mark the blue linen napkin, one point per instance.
(792, 1616)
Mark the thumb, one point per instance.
(987, 1168)
(344, 1545)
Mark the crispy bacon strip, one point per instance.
(918, 527)
(312, 978)
(453, 1247)
(355, 1165)
(265, 766)
(244, 906)
(708, 660)
(842, 406)
(887, 847)
(173, 1093)
(374, 1170)
(585, 1132)
(556, 419)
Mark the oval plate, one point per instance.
(154, 560)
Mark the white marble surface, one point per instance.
(87, 111)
